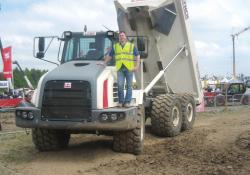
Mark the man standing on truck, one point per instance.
(127, 60)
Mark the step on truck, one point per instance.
(80, 96)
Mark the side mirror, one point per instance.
(41, 44)
(41, 47)
(141, 44)
(112, 35)
(142, 47)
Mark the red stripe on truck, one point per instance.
(105, 94)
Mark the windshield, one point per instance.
(82, 47)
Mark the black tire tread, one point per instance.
(49, 140)
(245, 100)
(220, 100)
(129, 141)
(161, 122)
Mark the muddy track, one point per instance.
(219, 144)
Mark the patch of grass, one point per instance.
(16, 148)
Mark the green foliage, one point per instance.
(32, 74)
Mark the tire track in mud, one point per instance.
(218, 145)
(243, 141)
(188, 153)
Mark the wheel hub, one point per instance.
(190, 112)
(142, 129)
(176, 115)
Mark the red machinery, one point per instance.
(8, 103)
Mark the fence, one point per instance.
(228, 100)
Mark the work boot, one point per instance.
(119, 105)
(127, 105)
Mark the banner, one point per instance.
(4, 84)
(7, 62)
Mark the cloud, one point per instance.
(236, 21)
(212, 23)
(39, 18)
(207, 50)
(219, 13)
(75, 14)
(20, 40)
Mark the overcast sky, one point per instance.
(212, 23)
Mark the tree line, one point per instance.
(32, 74)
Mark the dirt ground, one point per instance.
(219, 144)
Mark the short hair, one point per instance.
(122, 32)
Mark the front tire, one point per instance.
(50, 140)
(131, 141)
(166, 115)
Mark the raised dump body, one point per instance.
(165, 24)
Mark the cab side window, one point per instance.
(84, 46)
(242, 89)
(107, 48)
(234, 89)
(69, 51)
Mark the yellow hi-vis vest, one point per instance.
(124, 56)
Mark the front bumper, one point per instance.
(128, 121)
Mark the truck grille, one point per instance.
(67, 100)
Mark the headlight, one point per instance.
(30, 115)
(104, 117)
(18, 113)
(113, 116)
(24, 114)
(121, 116)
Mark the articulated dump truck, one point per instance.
(80, 95)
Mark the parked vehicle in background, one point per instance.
(236, 93)
(233, 92)
(211, 92)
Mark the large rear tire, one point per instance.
(131, 141)
(49, 140)
(166, 115)
(188, 108)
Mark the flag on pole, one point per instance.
(7, 62)
(1, 46)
